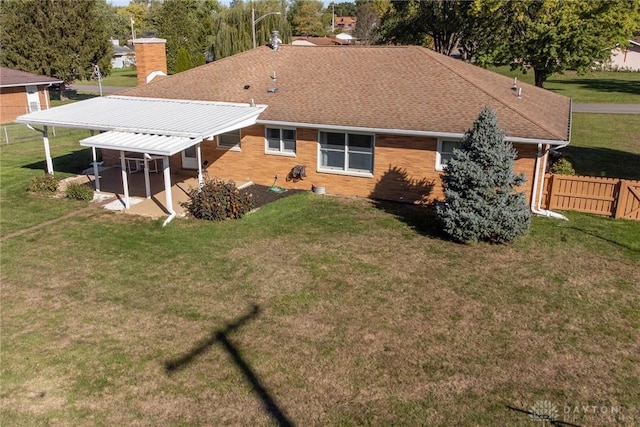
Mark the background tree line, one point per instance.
(66, 38)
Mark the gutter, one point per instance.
(537, 210)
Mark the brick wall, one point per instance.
(13, 102)
(404, 166)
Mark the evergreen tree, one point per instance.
(62, 38)
(482, 203)
(183, 62)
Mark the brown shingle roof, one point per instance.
(389, 87)
(10, 78)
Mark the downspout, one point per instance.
(536, 209)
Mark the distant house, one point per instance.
(121, 55)
(272, 110)
(345, 23)
(22, 93)
(318, 41)
(626, 59)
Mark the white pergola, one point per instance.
(148, 126)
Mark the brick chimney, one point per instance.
(151, 57)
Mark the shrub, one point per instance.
(79, 191)
(46, 184)
(562, 166)
(482, 202)
(218, 200)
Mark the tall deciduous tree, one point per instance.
(440, 23)
(61, 38)
(368, 14)
(482, 201)
(551, 36)
(305, 17)
(233, 27)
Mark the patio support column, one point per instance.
(96, 172)
(147, 186)
(47, 150)
(167, 184)
(125, 180)
(199, 160)
(167, 190)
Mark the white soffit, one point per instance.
(169, 117)
(160, 145)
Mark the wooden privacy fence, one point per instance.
(619, 198)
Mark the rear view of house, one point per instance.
(369, 121)
(22, 93)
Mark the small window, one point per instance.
(445, 152)
(280, 141)
(229, 140)
(346, 152)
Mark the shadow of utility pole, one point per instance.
(220, 336)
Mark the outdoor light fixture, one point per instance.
(254, 21)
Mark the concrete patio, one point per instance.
(112, 194)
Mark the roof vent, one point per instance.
(275, 40)
(519, 93)
(272, 89)
(515, 83)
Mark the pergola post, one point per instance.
(47, 150)
(147, 186)
(167, 184)
(199, 160)
(125, 180)
(96, 172)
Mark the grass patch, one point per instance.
(20, 162)
(605, 145)
(365, 315)
(595, 87)
(125, 77)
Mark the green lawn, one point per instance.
(20, 161)
(594, 87)
(318, 310)
(117, 77)
(605, 145)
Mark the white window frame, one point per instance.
(235, 147)
(439, 166)
(345, 170)
(281, 151)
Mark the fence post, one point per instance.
(620, 199)
(553, 188)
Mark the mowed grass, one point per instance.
(125, 77)
(594, 87)
(314, 310)
(605, 145)
(21, 161)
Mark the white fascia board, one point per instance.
(31, 84)
(434, 134)
(117, 141)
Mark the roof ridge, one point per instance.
(526, 117)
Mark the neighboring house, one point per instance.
(121, 55)
(627, 59)
(400, 113)
(314, 41)
(345, 23)
(22, 92)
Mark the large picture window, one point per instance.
(346, 152)
(229, 140)
(280, 141)
(445, 152)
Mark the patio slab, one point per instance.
(154, 207)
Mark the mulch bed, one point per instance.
(262, 195)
